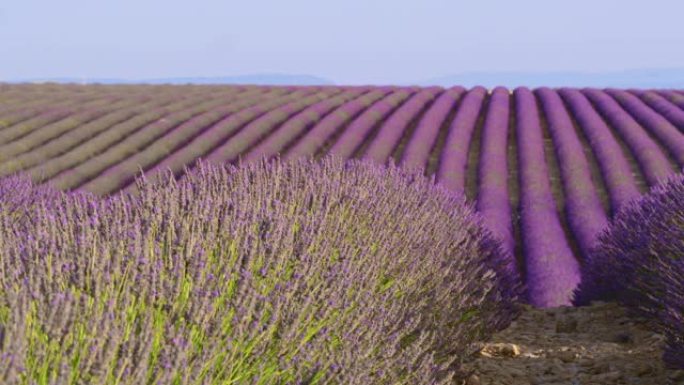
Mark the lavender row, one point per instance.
(310, 144)
(28, 104)
(674, 97)
(615, 169)
(237, 130)
(583, 209)
(653, 163)
(391, 130)
(121, 174)
(551, 267)
(493, 201)
(451, 170)
(277, 141)
(111, 121)
(42, 97)
(129, 144)
(27, 121)
(420, 144)
(13, 110)
(250, 134)
(670, 137)
(84, 114)
(357, 132)
(664, 107)
(81, 133)
(100, 142)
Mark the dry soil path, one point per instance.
(592, 345)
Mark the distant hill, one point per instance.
(643, 78)
(259, 79)
(646, 78)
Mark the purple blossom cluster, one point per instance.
(269, 272)
(639, 261)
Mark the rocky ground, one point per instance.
(593, 345)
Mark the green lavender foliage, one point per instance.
(269, 273)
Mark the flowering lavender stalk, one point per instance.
(270, 272)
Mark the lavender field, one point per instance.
(547, 168)
(535, 176)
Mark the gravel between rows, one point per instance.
(593, 345)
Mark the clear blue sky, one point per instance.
(350, 41)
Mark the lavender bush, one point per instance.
(639, 262)
(269, 273)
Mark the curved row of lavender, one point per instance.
(586, 216)
(493, 200)
(552, 269)
(659, 126)
(417, 151)
(614, 166)
(390, 132)
(652, 160)
(273, 272)
(639, 262)
(665, 106)
(94, 139)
